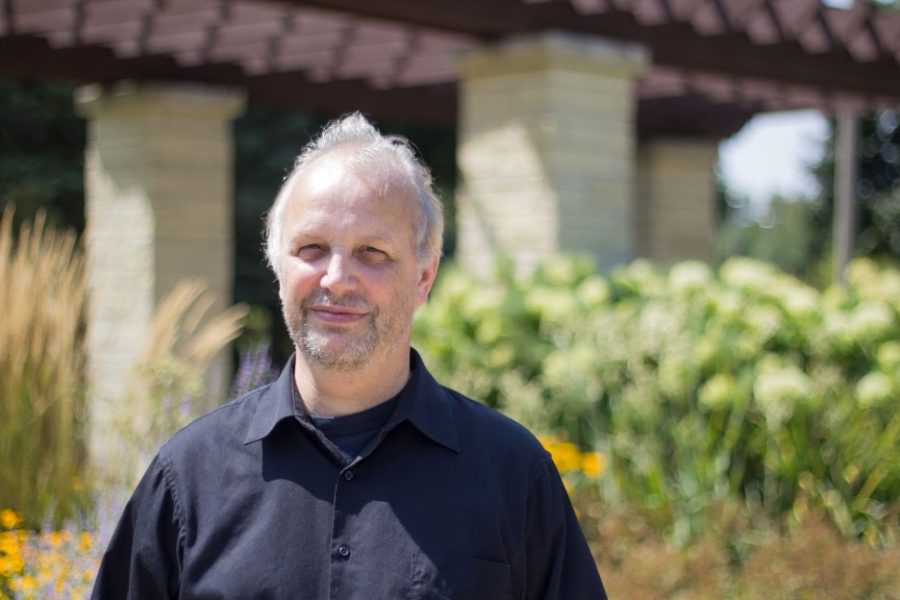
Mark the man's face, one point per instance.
(351, 279)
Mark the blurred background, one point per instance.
(672, 252)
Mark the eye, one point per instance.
(311, 251)
(373, 255)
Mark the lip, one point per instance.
(337, 314)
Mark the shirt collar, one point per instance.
(275, 404)
(424, 403)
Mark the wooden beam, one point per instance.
(672, 43)
(429, 105)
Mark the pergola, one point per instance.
(714, 62)
(585, 126)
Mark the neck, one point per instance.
(334, 392)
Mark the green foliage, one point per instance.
(877, 188)
(41, 152)
(783, 235)
(698, 387)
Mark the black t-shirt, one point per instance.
(352, 433)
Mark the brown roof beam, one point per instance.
(433, 105)
(484, 18)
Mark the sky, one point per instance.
(769, 155)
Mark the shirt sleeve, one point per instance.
(143, 559)
(559, 564)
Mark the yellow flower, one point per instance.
(569, 459)
(566, 456)
(9, 518)
(7, 566)
(58, 538)
(85, 541)
(592, 464)
(29, 584)
(9, 542)
(45, 575)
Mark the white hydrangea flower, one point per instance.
(745, 273)
(718, 392)
(800, 301)
(689, 276)
(871, 320)
(763, 322)
(874, 390)
(778, 390)
(837, 328)
(888, 357)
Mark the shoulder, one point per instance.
(490, 432)
(222, 427)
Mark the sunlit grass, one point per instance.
(42, 395)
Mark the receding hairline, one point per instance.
(392, 179)
(390, 159)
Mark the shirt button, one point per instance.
(344, 551)
(348, 475)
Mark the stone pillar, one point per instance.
(546, 150)
(158, 183)
(676, 212)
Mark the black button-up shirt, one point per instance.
(450, 500)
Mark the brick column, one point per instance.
(158, 204)
(676, 199)
(547, 143)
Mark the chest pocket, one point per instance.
(448, 577)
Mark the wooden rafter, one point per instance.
(733, 53)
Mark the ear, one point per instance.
(427, 273)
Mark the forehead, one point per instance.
(331, 193)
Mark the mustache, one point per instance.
(325, 298)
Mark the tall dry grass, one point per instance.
(43, 385)
(42, 359)
(173, 380)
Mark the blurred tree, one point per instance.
(796, 234)
(782, 234)
(877, 189)
(41, 152)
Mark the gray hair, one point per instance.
(390, 158)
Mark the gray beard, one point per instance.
(352, 354)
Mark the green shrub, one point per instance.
(699, 387)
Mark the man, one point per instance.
(354, 475)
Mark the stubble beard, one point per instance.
(338, 348)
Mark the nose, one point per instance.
(338, 277)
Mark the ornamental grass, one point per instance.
(175, 380)
(42, 362)
(43, 383)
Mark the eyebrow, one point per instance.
(307, 233)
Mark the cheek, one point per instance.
(296, 282)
